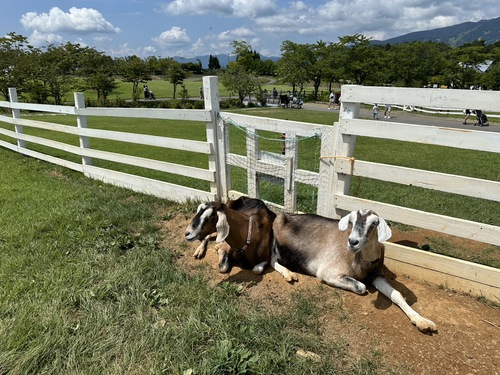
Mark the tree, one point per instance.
(466, 60)
(246, 57)
(491, 78)
(303, 63)
(213, 63)
(57, 64)
(357, 58)
(415, 64)
(176, 75)
(135, 70)
(195, 68)
(292, 68)
(97, 71)
(14, 63)
(239, 81)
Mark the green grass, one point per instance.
(88, 287)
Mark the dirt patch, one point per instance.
(467, 342)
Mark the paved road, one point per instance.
(416, 118)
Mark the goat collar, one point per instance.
(371, 263)
(249, 235)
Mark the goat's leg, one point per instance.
(202, 248)
(285, 272)
(259, 268)
(223, 252)
(346, 283)
(383, 286)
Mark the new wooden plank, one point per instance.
(145, 185)
(424, 97)
(144, 139)
(162, 166)
(151, 113)
(433, 135)
(60, 109)
(150, 140)
(467, 186)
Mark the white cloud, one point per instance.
(38, 39)
(236, 34)
(236, 8)
(176, 36)
(77, 21)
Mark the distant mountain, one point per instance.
(224, 59)
(456, 35)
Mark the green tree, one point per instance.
(195, 68)
(176, 75)
(294, 67)
(248, 58)
(136, 71)
(57, 65)
(97, 71)
(15, 64)
(464, 72)
(213, 63)
(357, 58)
(415, 64)
(239, 81)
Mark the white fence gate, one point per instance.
(336, 164)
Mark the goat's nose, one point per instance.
(353, 242)
(188, 234)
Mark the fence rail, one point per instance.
(331, 177)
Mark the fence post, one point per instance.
(344, 145)
(252, 157)
(325, 203)
(81, 121)
(216, 136)
(290, 164)
(16, 114)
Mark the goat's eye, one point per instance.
(375, 223)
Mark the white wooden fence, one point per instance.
(336, 163)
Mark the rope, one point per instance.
(351, 161)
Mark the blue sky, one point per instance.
(189, 28)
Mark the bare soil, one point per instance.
(468, 337)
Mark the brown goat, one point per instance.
(245, 225)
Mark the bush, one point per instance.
(230, 103)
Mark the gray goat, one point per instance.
(322, 247)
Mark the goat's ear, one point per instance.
(222, 227)
(344, 222)
(384, 232)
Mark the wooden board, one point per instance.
(455, 274)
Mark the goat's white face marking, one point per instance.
(195, 227)
(363, 221)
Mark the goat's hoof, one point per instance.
(224, 265)
(223, 268)
(291, 277)
(257, 270)
(425, 325)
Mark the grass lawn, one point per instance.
(88, 287)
